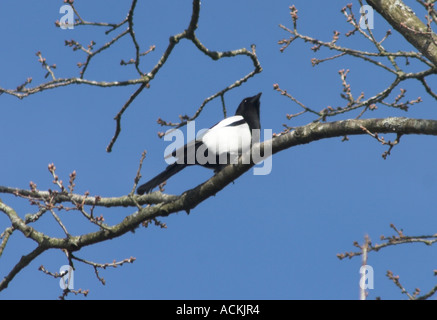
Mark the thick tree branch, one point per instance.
(165, 205)
(24, 261)
(404, 20)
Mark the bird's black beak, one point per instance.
(256, 98)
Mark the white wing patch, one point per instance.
(225, 138)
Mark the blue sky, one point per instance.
(263, 237)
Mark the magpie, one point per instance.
(219, 146)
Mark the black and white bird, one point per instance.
(219, 146)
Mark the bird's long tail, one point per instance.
(160, 178)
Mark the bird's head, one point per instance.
(249, 110)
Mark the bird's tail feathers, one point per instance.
(160, 178)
